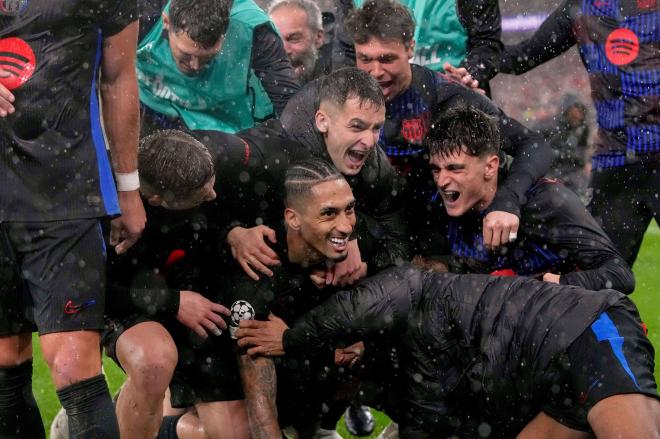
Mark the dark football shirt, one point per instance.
(53, 159)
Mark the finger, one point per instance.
(488, 235)
(199, 330)
(514, 227)
(504, 235)
(257, 350)
(127, 243)
(330, 275)
(261, 268)
(211, 327)
(217, 308)
(115, 233)
(252, 324)
(246, 268)
(319, 281)
(217, 320)
(270, 234)
(497, 237)
(267, 255)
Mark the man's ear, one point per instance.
(166, 22)
(291, 218)
(320, 37)
(155, 200)
(322, 122)
(492, 166)
(410, 51)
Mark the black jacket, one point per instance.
(472, 348)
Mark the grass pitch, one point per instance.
(646, 296)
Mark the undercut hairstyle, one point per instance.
(302, 176)
(349, 83)
(464, 129)
(204, 21)
(314, 17)
(383, 19)
(174, 164)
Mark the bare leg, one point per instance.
(148, 354)
(626, 416)
(224, 420)
(544, 427)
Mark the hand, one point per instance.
(127, 229)
(249, 248)
(551, 277)
(318, 277)
(200, 314)
(349, 356)
(6, 97)
(264, 337)
(460, 74)
(428, 263)
(348, 271)
(499, 228)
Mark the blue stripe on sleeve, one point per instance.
(605, 330)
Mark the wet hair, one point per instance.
(302, 176)
(383, 19)
(314, 18)
(174, 164)
(348, 83)
(464, 129)
(204, 21)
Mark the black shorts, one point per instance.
(207, 370)
(612, 357)
(52, 276)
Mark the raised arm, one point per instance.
(119, 94)
(483, 22)
(554, 37)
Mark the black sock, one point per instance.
(19, 414)
(89, 408)
(168, 427)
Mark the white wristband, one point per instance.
(127, 182)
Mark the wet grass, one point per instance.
(646, 296)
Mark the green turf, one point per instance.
(646, 296)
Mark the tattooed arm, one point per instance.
(260, 387)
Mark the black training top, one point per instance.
(53, 159)
(556, 234)
(473, 348)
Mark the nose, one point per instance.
(442, 180)
(345, 224)
(211, 196)
(194, 63)
(369, 138)
(376, 70)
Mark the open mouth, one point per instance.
(450, 196)
(357, 157)
(339, 244)
(385, 84)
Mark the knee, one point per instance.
(72, 357)
(150, 367)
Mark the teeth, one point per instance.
(339, 241)
(452, 195)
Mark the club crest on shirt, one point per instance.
(12, 7)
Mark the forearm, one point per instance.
(260, 387)
(482, 20)
(611, 274)
(121, 120)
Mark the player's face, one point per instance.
(351, 132)
(189, 56)
(301, 43)
(388, 62)
(327, 221)
(462, 181)
(198, 197)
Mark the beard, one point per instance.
(304, 63)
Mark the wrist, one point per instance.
(127, 181)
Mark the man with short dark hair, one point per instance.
(63, 62)
(210, 64)
(557, 241)
(491, 356)
(343, 128)
(415, 95)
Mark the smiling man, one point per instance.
(383, 34)
(210, 64)
(558, 240)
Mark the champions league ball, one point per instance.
(240, 310)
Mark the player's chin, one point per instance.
(338, 256)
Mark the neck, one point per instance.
(299, 252)
(490, 189)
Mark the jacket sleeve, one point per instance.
(483, 23)
(574, 232)
(554, 37)
(376, 307)
(532, 155)
(272, 67)
(382, 227)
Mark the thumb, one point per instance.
(270, 234)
